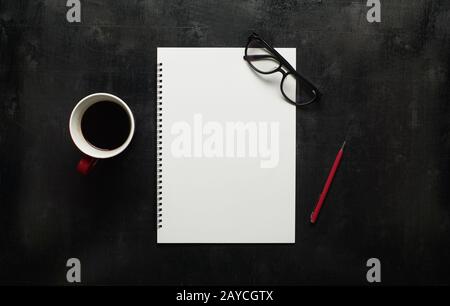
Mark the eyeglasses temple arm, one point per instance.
(258, 57)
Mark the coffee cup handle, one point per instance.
(86, 164)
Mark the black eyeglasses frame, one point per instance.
(282, 63)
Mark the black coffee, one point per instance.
(105, 125)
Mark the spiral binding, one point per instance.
(159, 127)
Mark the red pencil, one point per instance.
(323, 195)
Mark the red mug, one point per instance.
(92, 153)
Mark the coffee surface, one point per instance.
(105, 125)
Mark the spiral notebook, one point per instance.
(226, 149)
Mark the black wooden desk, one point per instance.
(390, 198)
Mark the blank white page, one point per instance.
(224, 195)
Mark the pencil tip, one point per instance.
(343, 145)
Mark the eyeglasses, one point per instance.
(264, 59)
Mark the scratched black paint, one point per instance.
(385, 85)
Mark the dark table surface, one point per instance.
(389, 82)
